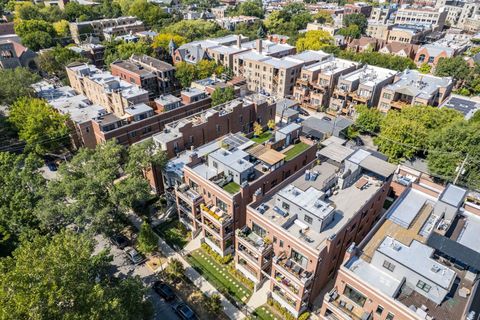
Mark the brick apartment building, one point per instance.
(215, 182)
(153, 75)
(296, 235)
(315, 85)
(427, 16)
(412, 88)
(420, 261)
(362, 86)
(105, 27)
(237, 115)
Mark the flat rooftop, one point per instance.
(346, 203)
(416, 84)
(369, 75)
(465, 105)
(331, 66)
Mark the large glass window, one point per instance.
(354, 295)
(299, 258)
(258, 230)
(222, 205)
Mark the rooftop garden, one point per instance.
(265, 136)
(295, 150)
(232, 187)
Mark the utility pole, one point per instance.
(460, 169)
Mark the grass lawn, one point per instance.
(264, 313)
(263, 137)
(174, 233)
(296, 150)
(231, 187)
(218, 275)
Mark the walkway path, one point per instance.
(198, 280)
(259, 297)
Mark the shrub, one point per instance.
(222, 260)
(283, 311)
(304, 316)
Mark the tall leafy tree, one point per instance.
(60, 278)
(16, 83)
(147, 239)
(368, 119)
(248, 8)
(455, 67)
(357, 19)
(55, 60)
(314, 40)
(193, 29)
(222, 95)
(42, 128)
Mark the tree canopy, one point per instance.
(16, 83)
(314, 40)
(368, 119)
(162, 40)
(289, 20)
(357, 19)
(54, 61)
(193, 29)
(186, 72)
(60, 278)
(42, 128)
(248, 8)
(378, 59)
(222, 95)
(121, 50)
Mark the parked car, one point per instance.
(303, 112)
(184, 311)
(134, 256)
(327, 118)
(52, 166)
(163, 290)
(120, 241)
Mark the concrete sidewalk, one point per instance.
(200, 282)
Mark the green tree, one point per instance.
(42, 128)
(55, 60)
(379, 59)
(455, 67)
(120, 50)
(222, 95)
(142, 156)
(16, 83)
(368, 119)
(425, 68)
(147, 239)
(449, 147)
(35, 34)
(20, 187)
(162, 40)
(206, 68)
(289, 20)
(257, 129)
(76, 12)
(185, 73)
(193, 29)
(314, 40)
(214, 304)
(352, 32)
(75, 197)
(406, 133)
(357, 19)
(248, 8)
(175, 268)
(323, 16)
(60, 278)
(148, 12)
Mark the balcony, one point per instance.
(399, 104)
(290, 267)
(285, 282)
(188, 194)
(253, 240)
(361, 98)
(217, 214)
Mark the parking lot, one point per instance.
(123, 267)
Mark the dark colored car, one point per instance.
(185, 312)
(163, 290)
(134, 256)
(120, 241)
(303, 112)
(52, 166)
(327, 118)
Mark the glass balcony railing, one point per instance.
(293, 268)
(253, 239)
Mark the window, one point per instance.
(258, 230)
(222, 205)
(274, 239)
(299, 258)
(379, 310)
(354, 295)
(285, 206)
(389, 266)
(281, 244)
(423, 286)
(390, 316)
(308, 219)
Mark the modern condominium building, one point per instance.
(315, 85)
(362, 86)
(426, 16)
(296, 235)
(420, 261)
(414, 88)
(215, 182)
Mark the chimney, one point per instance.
(239, 41)
(259, 45)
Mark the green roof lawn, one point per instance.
(296, 150)
(231, 187)
(263, 137)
